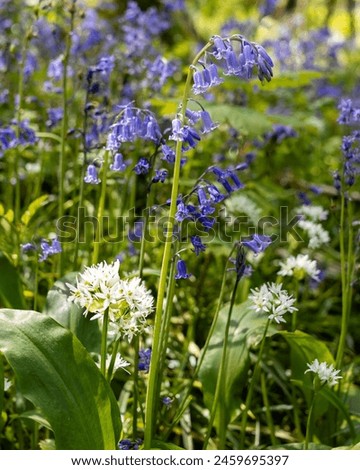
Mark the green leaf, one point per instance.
(334, 399)
(246, 330)
(33, 208)
(245, 120)
(70, 315)
(11, 293)
(160, 445)
(2, 388)
(304, 349)
(56, 373)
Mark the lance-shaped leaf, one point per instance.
(55, 372)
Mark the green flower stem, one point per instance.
(220, 383)
(104, 342)
(100, 211)
(294, 314)
(82, 176)
(269, 419)
(110, 370)
(64, 125)
(136, 386)
(151, 398)
(249, 396)
(309, 424)
(186, 397)
(346, 258)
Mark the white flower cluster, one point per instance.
(311, 215)
(314, 213)
(326, 373)
(99, 288)
(270, 298)
(299, 266)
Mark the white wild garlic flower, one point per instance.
(326, 373)
(299, 267)
(271, 299)
(99, 288)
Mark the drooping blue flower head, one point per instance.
(91, 176)
(142, 167)
(160, 176)
(119, 164)
(258, 243)
(181, 270)
(144, 360)
(197, 244)
(49, 249)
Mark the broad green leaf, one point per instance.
(11, 295)
(246, 120)
(35, 415)
(33, 208)
(70, 315)
(246, 330)
(55, 372)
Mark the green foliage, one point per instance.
(70, 315)
(11, 294)
(246, 330)
(58, 376)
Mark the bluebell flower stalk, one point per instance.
(154, 367)
(250, 58)
(64, 125)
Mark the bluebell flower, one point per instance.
(144, 360)
(168, 153)
(205, 79)
(239, 262)
(55, 69)
(49, 250)
(28, 247)
(215, 195)
(55, 115)
(182, 211)
(127, 444)
(197, 244)
(280, 132)
(178, 132)
(181, 270)
(206, 206)
(193, 116)
(160, 176)
(208, 124)
(258, 243)
(167, 401)
(191, 137)
(142, 167)
(221, 47)
(268, 7)
(336, 180)
(104, 66)
(31, 64)
(91, 176)
(348, 113)
(119, 164)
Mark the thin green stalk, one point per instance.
(309, 426)
(249, 396)
(64, 124)
(220, 383)
(113, 358)
(151, 397)
(104, 342)
(344, 286)
(82, 176)
(100, 211)
(36, 282)
(269, 419)
(185, 399)
(136, 386)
